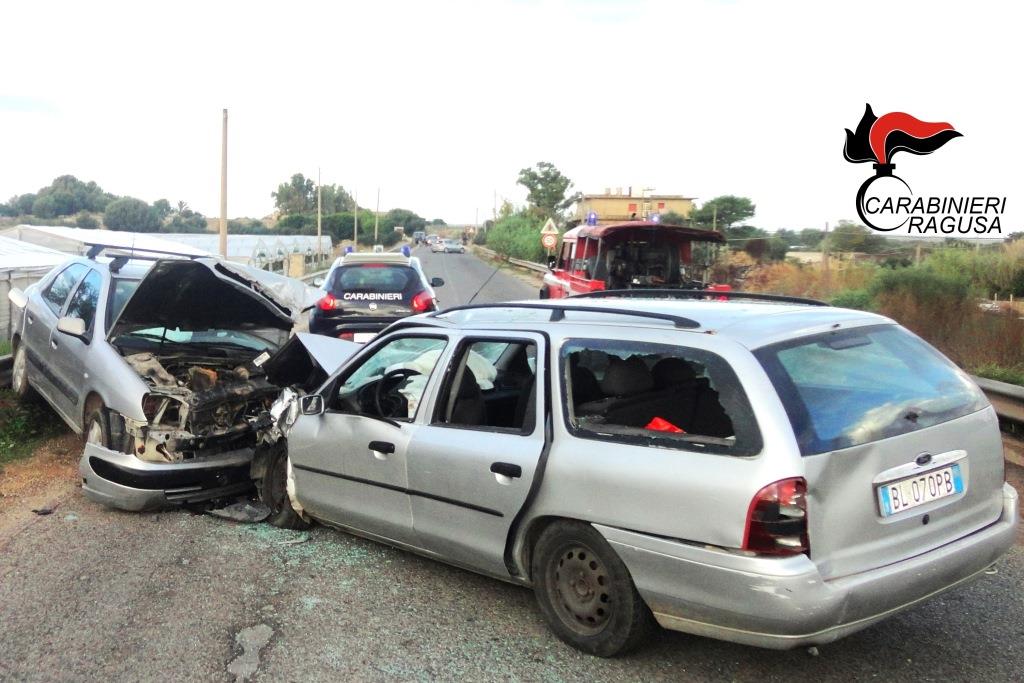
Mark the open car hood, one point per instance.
(205, 293)
(306, 360)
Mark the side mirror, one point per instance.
(312, 404)
(436, 282)
(318, 282)
(552, 260)
(17, 297)
(74, 327)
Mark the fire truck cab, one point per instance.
(636, 254)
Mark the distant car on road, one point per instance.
(364, 293)
(437, 246)
(157, 365)
(418, 237)
(778, 474)
(453, 247)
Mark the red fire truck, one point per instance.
(635, 254)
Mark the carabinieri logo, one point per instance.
(885, 201)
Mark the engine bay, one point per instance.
(198, 405)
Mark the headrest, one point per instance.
(672, 371)
(626, 378)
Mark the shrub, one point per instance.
(85, 220)
(517, 237)
(132, 215)
(858, 299)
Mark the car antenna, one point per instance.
(484, 284)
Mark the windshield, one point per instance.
(170, 338)
(850, 387)
(119, 295)
(372, 277)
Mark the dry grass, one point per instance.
(812, 281)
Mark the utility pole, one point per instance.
(714, 218)
(355, 224)
(917, 255)
(319, 213)
(824, 262)
(376, 218)
(224, 188)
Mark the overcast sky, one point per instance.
(441, 103)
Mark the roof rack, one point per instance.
(96, 248)
(694, 294)
(558, 312)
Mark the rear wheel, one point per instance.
(585, 591)
(273, 490)
(19, 373)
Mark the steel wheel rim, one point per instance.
(581, 589)
(18, 371)
(95, 433)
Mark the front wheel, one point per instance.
(273, 491)
(96, 430)
(585, 591)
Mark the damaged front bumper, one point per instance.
(124, 481)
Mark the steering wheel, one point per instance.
(386, 404)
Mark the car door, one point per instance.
(472, 462)
(42, 312)
(68, 361)
(349, 463)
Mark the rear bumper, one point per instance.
(332, 327)
(784, 603)
(123, 481)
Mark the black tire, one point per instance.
(585, 591)
(95, 428)
(19, 374)
(273, 491)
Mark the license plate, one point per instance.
(906, 494)
(363, 337)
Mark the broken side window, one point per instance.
(656, 394)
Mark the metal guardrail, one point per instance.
(529, 265)
(1007, 399)
(308, 279)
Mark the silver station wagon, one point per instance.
(769, 472)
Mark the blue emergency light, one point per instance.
(592, 218)
(406, 251)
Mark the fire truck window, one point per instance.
(563, 259)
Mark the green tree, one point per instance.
(850, 236)
(723, 212)
(130, 214)
(811, 237)
(185, 220)
(162, 207)
(673, 218)
(84, 219)
(298, 195)
(546, 188)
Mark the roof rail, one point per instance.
(558, 312)
(694, 294)
(95, 249)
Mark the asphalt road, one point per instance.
(89, 593)
(466, 276)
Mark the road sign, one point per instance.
(548, 240)
(549, 228)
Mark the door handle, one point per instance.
(53, 344)
(382, 446)
(507, 469)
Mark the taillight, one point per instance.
(422, 302)
(777, 519)
(328, 302)
(347, 336)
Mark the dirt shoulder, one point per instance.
(41, 481)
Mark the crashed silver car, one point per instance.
(159, 366)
